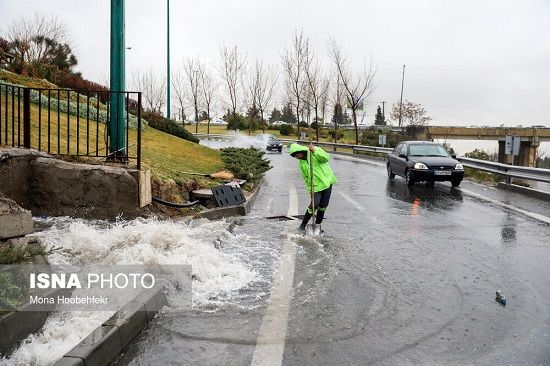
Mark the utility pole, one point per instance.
(401, 102)
(168, 59)
(383, 112)
(117, 82)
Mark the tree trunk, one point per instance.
(316, 127)
(354, 115)
(196, 118)
(262, 120)
(298, 120)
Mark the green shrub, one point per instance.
(286, 130)
(248, 164)
(166, 125)
(339, 134)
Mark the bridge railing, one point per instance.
(68, 122)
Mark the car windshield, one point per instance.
(427, 150)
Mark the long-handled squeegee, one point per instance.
(312, 228)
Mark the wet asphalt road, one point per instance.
(402, 276)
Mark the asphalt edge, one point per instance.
(535, 193)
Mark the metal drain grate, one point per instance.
(228, 195)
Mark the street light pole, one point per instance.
(401, 102)
(168, 59)
(117, 81)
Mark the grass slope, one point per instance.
(166, 155)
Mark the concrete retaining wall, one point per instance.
(53, 187)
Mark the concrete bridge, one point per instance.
(530, 138)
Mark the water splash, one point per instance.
(218, 275)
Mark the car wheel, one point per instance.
(456, 183)
(390, 173)
(281, 149)
(409, 179)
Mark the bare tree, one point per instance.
(232, 70)
(179, 87)
(152, 88)
(317, 88)
(412, 114)
(338, 100)
(294, 60)
(208, 90)
(192, 68)
(262, 86)
(324, 97)
(24, 34)
(359, 87)
(250, 93)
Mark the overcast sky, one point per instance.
(483, 62)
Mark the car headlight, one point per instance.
(420, 166)
(459, 167)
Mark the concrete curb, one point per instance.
(105, 344)
(240, 210)
(525, 190)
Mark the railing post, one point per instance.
(139, 132)
(27, 118)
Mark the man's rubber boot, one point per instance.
(319, 217)
(305, 220)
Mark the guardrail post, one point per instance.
(27, 118)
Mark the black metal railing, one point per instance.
(72, 123)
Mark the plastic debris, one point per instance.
(500, 298)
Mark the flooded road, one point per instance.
(402, 276)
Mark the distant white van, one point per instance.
(279, 123)
(218, 121)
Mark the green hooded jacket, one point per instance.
(323, 176)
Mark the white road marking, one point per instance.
(292, 201)
(270, 343)
(269, 204)
(352, 201)
(532, 215)
(357, 205)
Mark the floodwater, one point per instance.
(402, 276)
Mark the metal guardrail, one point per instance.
(509, 171)
(354, 148)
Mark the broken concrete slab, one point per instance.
(14, 220)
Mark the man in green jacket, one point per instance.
(323, 178)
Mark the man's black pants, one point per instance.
(321, 200)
